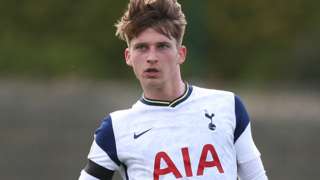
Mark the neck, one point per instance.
(165, 92)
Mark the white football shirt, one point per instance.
(203, 134)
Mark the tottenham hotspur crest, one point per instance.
(211, 126)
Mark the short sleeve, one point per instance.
(244, 144)
(103, 150)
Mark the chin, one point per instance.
(151, 82)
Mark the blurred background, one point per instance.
(62, 70)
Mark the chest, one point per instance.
(178, 143)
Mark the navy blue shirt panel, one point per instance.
(242, 118)
(104, 137)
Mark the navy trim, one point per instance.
(154, 102)
(104, 137)
(183, 97)
(242, 118)
(98, 171)
(179, 100)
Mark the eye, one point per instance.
(140, 47)
(163, 46)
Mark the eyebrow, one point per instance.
(164, 42)
(145, 43)
(139, 44)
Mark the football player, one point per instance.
(176, 130)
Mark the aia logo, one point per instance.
(211, 126)
(203, 163)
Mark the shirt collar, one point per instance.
(182, 98)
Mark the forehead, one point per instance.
(151, 36)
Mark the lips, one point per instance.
(151, 70)
(151, 73)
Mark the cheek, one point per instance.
(172, 60)
(135, 70)
(136, 65)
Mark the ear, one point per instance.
(127, 56)
(182, 52)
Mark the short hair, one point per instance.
(164, 16)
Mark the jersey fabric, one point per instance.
(204, 134)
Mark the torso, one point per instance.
(162, 142)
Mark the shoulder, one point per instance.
(221, 96)
(121, 114)
(125, 115)
(216, 93)
(119, 122)
(111, 120)
(205, 93)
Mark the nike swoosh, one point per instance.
(136, 136)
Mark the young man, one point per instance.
(175, 131)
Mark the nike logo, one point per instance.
(136, 136)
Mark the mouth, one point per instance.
(151, 73)
(151, 70)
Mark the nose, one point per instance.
(152, 57)
(152, 61)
